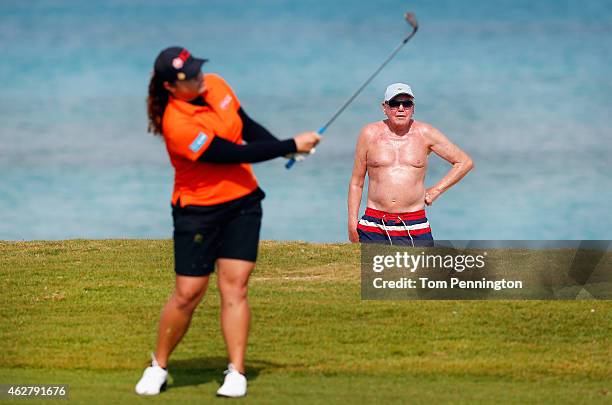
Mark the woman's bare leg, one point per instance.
(177, 313)
(233, 278)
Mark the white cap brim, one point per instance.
(396, 89)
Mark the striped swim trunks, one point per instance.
(408, 228)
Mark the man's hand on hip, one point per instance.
(431, 195)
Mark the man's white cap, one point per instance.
(396, 89)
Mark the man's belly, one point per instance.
(396, 190)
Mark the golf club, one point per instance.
(298, 157)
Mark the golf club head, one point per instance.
(411, 20)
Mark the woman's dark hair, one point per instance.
(156, 104)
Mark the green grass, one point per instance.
(85, 313)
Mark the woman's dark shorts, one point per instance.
(202, 234)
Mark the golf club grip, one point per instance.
(290, 163)
(292, 160)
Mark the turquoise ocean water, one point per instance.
(522, 86)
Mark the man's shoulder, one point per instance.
(372, 128)
(421, 125)
(423, 128)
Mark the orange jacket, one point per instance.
(188, 131)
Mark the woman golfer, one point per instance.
(216, 204)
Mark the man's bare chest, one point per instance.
(392, 152)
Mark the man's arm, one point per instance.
(356, 184)
(450, 152)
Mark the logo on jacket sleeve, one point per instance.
(198, 142)
(225, 102)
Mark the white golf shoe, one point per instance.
(235, 384)
(153, 379)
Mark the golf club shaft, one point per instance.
(415, 26)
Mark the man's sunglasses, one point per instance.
(397, 103)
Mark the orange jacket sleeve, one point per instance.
(188, 140)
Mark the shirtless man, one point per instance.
(394, 154)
